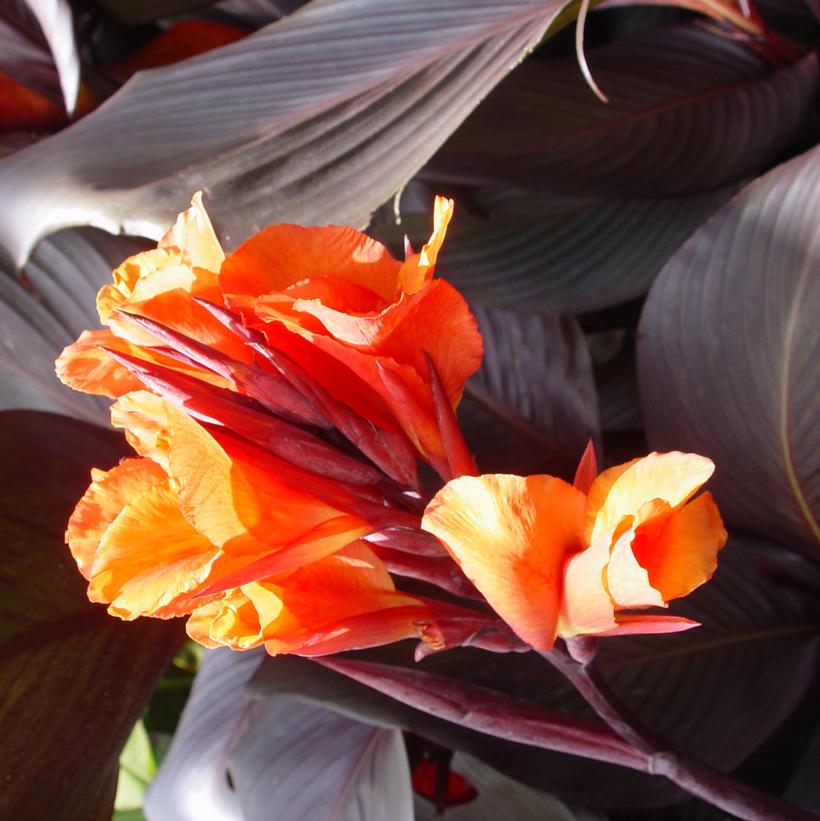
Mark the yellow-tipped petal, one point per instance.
(511, 536)
(621, 491)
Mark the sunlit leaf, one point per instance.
(49, 20)
(317, 118)
(73, 680)
(239, 758)
(729, 353)
(46, 309)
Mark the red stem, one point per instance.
(689, 773)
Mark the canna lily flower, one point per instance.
(257, 550)
(555, 561)
(199, 507)
(368, 328)
(344, 601)
(321, 327)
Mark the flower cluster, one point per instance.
(280, 398)
(555, 561)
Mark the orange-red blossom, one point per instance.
(363, 327)
(555, 561)
(255, 549)
(236, 376)
(233, 376)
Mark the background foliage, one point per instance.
(698, 183)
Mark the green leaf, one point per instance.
(729, 353)
(73, 680)
(137, 768)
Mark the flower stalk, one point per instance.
(688, 773)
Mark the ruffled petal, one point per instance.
(627, 580)
(343, 602)
(586, 606)
(149, 557)
(621, 491)
(165, 296)
(244, 500)
(436, 321)
(194, 235)
(511, 536)
(679, 549)
(282, 255)
(109, 492)
(84, 366)
(129, 273)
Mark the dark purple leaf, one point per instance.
(46, 309)
(728, 353)
(145, 11)
(550, 253)
(532, 406)
(718, 691)
(798, 20)
(73, 679)
(689, 111)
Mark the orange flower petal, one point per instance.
(342, 602)
(336, 377)
(129, 273)
(282, 255)
(194, 235)
(627, 581)
(149, 556)
(84, 366)
(418, 270)
(328, 537)
(244, 500)
(621, 491)
(511, 536)
(428, 322)
(105, 498)
(586, 606)
(679, 550)
(437, 322)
